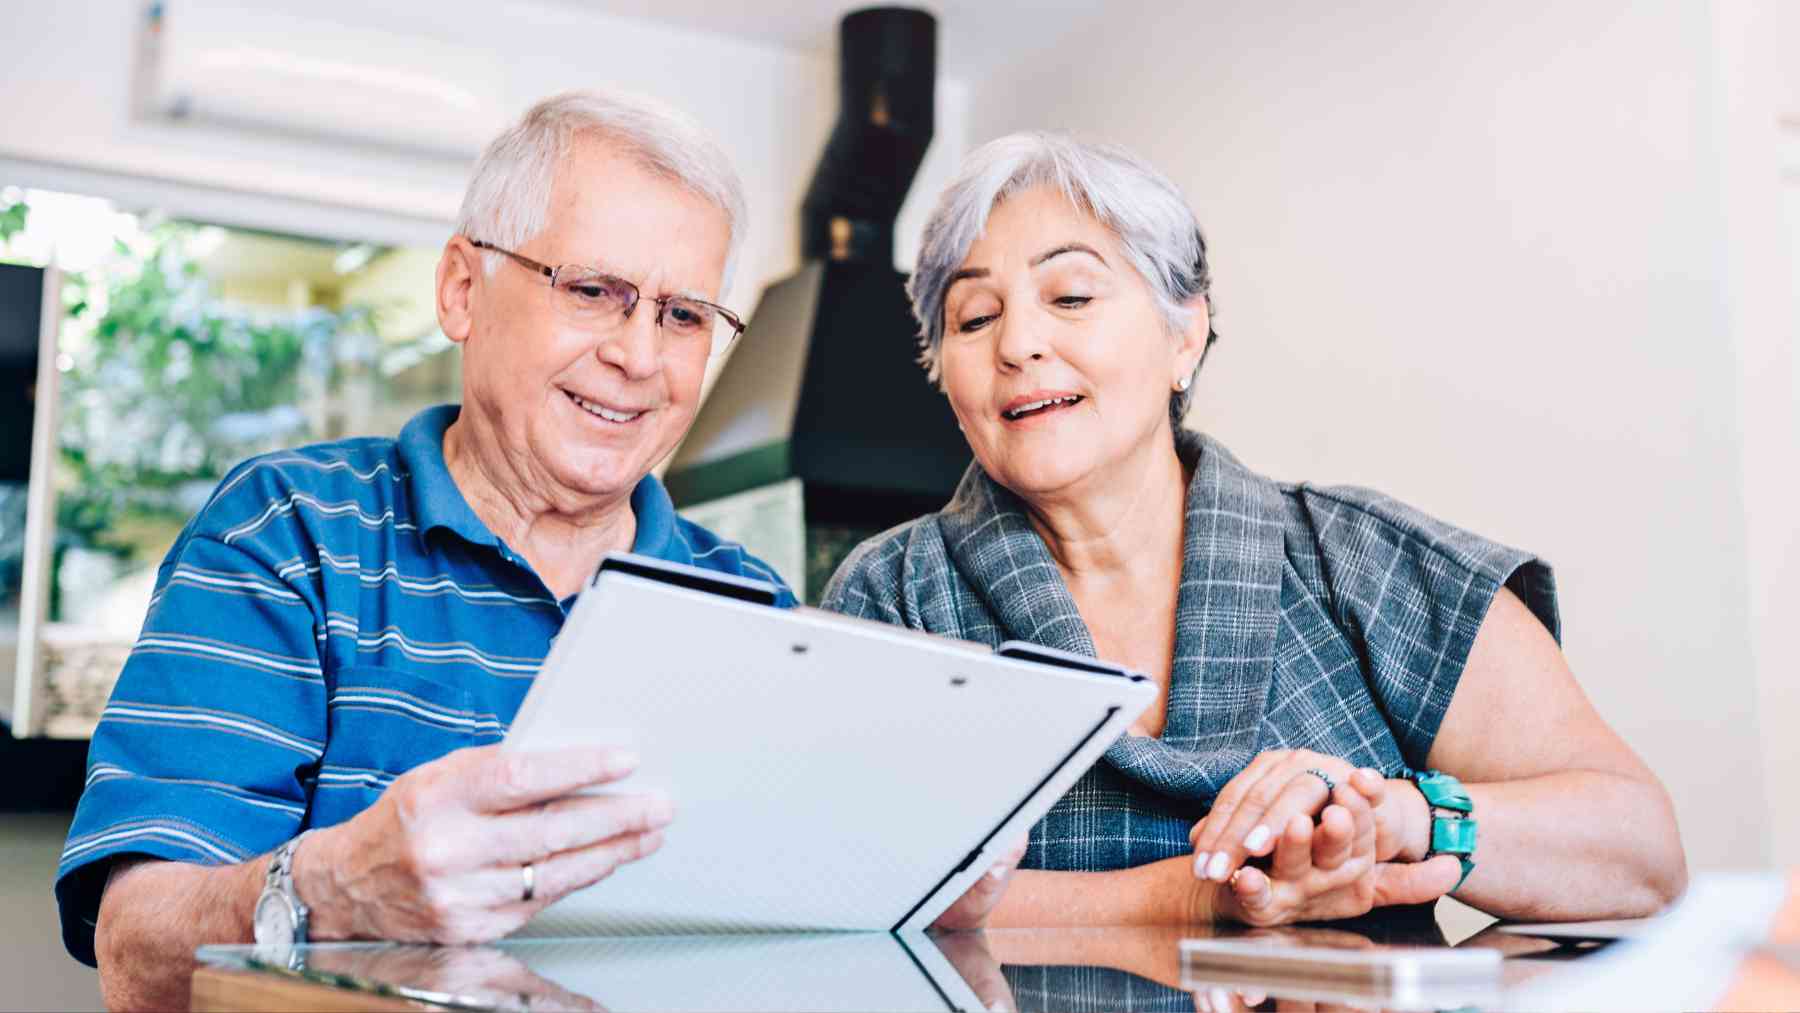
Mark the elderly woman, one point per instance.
(1304, 638)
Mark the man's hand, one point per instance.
(971, 910)
(481, 976)
(439, 857)
(1252, 810)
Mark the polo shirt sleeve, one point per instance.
(204, 752)
(1411, 592)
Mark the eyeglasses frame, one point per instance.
(738, 327)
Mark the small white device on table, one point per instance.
(827, 772)
(1368, 976)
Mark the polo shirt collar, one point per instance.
(658, 535)
(438, 503)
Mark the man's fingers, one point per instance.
(501, 780)
(1016, 853)
(570, 824)
(1415, 882)
(559, 875)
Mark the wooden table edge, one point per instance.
(226, 990)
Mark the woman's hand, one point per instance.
(1316, 873)
(971, 910)
(1330, 871)
(1276, 787)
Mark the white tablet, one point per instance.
(828, 772)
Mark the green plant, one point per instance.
(166, 386)
(12, 219)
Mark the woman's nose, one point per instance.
(1020, 341)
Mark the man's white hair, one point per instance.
(508, 198)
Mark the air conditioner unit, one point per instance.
(251, 68)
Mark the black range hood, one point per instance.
(825, 386)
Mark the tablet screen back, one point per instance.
(827, 773)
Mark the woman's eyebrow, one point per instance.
(967, 272)
(1069, 248)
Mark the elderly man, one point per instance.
(302, 743)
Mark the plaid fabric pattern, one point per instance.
(1065, 988)
(1332, 619)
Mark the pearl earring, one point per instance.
(1181, 385)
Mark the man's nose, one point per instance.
(635, 345)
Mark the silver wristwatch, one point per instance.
(280, 920)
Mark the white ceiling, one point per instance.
(974, 36)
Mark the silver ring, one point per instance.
(530, 875)
(1330, 785)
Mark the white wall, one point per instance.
(1478, 257)
(1754, 50)
(69, 90)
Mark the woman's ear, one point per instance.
(1190, 343)
(456, 275)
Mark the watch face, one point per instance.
(274, 922)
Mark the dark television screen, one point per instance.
(21, 306)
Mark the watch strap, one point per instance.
(280, 878)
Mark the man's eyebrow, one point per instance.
(1068, 248)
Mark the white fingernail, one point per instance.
(1220, 1000)
(1215, 869)
(1257, 838)
(997, 873)
(1200, 864)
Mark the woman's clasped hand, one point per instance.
(1334, 868)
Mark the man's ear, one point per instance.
(458, 271)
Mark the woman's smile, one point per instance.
(1039, 405)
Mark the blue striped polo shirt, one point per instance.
(333, 617)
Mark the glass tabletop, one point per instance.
(1051, 969)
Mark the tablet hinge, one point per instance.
(973, 856)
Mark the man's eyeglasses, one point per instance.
(599, 301)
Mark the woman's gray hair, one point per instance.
(508, 198)
(1155, 226)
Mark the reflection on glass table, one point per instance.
(1098, 969)
(801, 972)
(1732, 943)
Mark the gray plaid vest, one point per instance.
(1332, 619)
